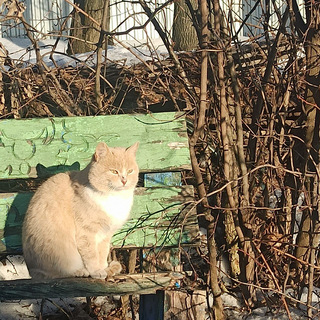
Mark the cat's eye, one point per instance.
(114, 171)
(130, 171)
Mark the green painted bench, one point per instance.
(163, 214)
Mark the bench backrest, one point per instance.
(53, 144)
(63, 141)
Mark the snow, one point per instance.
(315, 296)
(14, 268)
(21, 50)
(265, 314)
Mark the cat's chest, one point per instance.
(116, 205)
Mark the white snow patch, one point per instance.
(13, 268)
(231, 301)
(315, 296)
(20, 50)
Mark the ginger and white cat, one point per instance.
(71, 218)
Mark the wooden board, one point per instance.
(86, 287)
(160, 217)
(63, 141)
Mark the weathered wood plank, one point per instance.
(159, 218)
(143, 283)
(63, 141)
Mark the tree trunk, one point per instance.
(311, 106)
(184, 32)
(84, 32)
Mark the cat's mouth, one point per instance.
(122, 187)
(119, 187)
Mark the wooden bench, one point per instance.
(163, 214)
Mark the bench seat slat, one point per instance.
(86, 287)
(157, 219)
(63, 141)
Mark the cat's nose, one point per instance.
(123, 180)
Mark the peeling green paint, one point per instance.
(63, 141)
(157, 219)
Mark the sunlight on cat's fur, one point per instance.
(72, 217)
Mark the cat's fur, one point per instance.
(71, 218)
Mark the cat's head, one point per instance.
(114, 168)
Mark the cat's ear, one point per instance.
(101, 151)
(133, 149)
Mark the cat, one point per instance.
(72, 216)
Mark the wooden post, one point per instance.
(152, 306)
(127, 299)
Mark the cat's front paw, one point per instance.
(98, 274)
(82, 273)
(113, 268)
